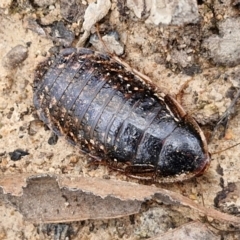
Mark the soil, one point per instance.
(170, 55)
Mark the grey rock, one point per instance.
(109, 43)
(166, 11)
(224, 49)
(72, 10)
(31, 24)
(15, 56)
(61, 34)
(43, 3)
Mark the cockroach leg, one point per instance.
(180, 93)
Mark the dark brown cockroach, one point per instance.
(106, 110)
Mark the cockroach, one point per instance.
(112, 113)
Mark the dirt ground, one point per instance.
(203, 48)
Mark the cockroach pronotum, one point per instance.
(112, 113)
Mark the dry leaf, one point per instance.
(50, 198)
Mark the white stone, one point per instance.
(95, 12)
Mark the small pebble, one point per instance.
(53, 139)
(15, 56)
(34, 126)
(18, 154)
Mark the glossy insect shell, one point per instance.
(106, 110)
